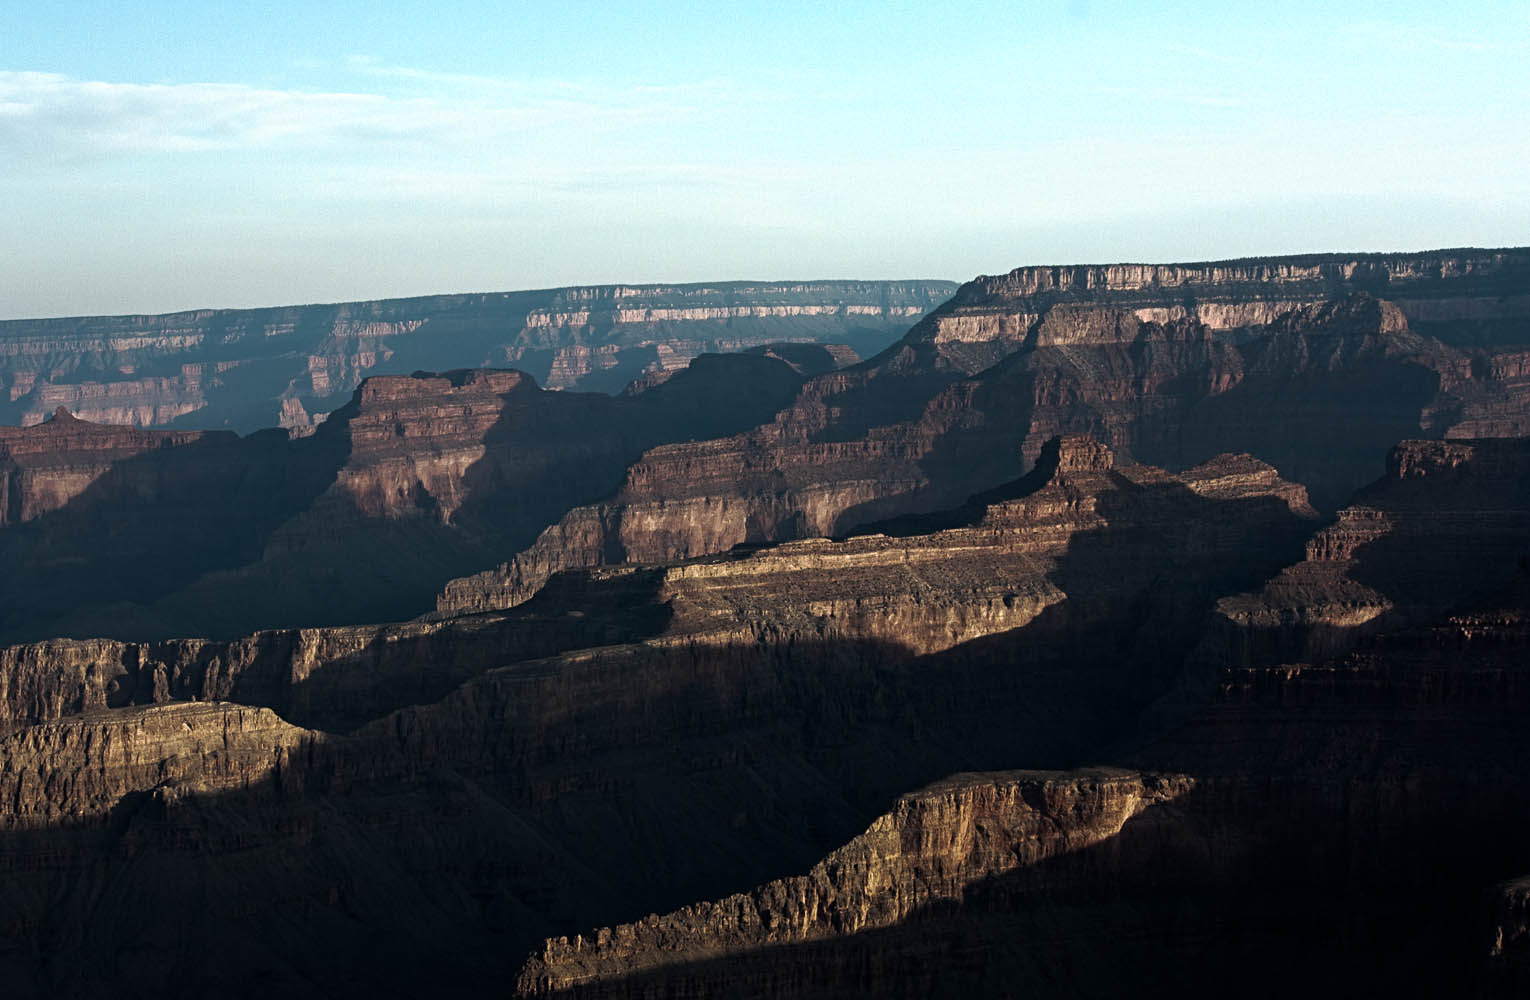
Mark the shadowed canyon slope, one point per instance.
(768, 724)
(1121, 629)
(1333, 823)
(765, 708)
(244, 369)
(1294, 360)
(143, 534)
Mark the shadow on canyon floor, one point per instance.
(438, 844)
(228, 535)
(1267, 889)
(153, 524)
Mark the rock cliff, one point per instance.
(45, 467)
(417, 480)
(933, 847)
(778, 700)
(1357, 811)
(245, 369)
(1445, 525)
(1156, 362)
(902, 678)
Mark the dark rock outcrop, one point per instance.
(776, 700)
(1445, 526)
(1333, 824)
(139, 534)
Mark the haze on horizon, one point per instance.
(167, 156)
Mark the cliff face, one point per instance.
(1169, 366)
(1444, 525)
(777, 700)
(417, 480)
(1279, 751)
(1353, 811)
(43, 468)
(252, 368)
(781, 732)
(931, 849)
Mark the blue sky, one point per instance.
(158, 156)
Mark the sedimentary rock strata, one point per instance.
(416, 480)
(43, 468)
(1446, 524)
(931, 849)
(906, 677)
(245, 369)
(1317, 376)
(777, 699)
(1355, 810)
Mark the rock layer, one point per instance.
(246, 369)
(1280, 753)
(777, 700)
(420, 478)
(1446, 524)
(1352, 811)
(1167, 365)
(933, 847)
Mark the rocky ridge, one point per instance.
(1271, 742)
(1349, 809)
(778, 699)
(1447, 523)
(1008, 364)
(931, 849)
(250, 368)
(417, 480)
(42, 470)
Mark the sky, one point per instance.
(157, 156)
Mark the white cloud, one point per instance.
(44, 116)
(666, 96)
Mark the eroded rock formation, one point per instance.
(245, 369)
(933, 847)
(1356, 811)
(1444, 526)
(1258, 745)
(778, 699)
(1295, 361)
(417, 480)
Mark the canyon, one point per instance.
(1113, 352)
(1130, 628)
(247, 369)
(413, 482)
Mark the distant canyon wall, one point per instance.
(244, 369)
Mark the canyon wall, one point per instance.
(1357, 811)
(1137, 357)
(777, 700)
(818, 738)
(112, 531)
(906, 677)
(244, 369)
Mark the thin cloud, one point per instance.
(49, 115)
(683, 94)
